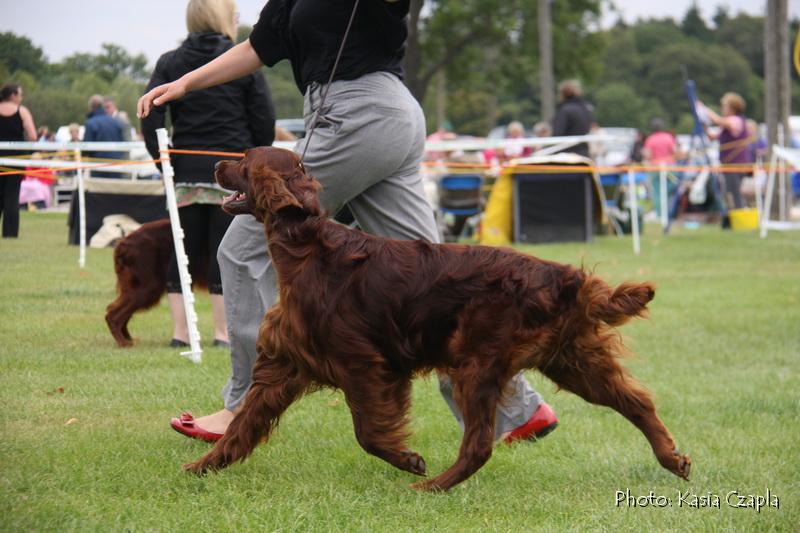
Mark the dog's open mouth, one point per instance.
(235, 203)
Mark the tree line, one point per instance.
(475, 64)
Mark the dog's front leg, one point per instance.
(276, 384)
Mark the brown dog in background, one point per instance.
(141, 262)
(366, 314)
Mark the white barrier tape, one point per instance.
(36, 164)
(483, 144)
(436, 146)
(83, 146)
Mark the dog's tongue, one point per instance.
(234, 199)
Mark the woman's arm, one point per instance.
(27, 123)
(731, 123)
(235, 63)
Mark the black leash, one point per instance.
(330, 80)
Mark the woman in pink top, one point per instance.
(659, 147)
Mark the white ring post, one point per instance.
(782, 190)
(634, 208)
(773, 162)
(195, 352)
(758, 185)
(781, 179)
(81, 210)
(662, 177)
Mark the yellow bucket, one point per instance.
(744, 219)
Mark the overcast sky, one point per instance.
(152, 27)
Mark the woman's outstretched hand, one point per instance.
(158, 96)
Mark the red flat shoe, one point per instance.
(185, 426)
(542, 422)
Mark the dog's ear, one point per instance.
(270, 190)
(305, 189)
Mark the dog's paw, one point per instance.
(428, 485)
(684, 465)
(414, 463)
(679, 464)
(198, 468)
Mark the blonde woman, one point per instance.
(230, 117)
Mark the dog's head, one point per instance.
(266, 182)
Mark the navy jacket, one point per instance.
(100, 127)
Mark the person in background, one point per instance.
(230, 117)
(758, 143)
(443, 133)
(43, 134)
(16, 124)
(735, 140)
(74, 133)
(110, 107)
(515, 130)
(100, 127)
(659, 148)
(574, 115)
(636, 155)
(542, 129)
(36, 189)
(366, 154)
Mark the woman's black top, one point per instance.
(309, 33)
(231, 117)
(11, 129)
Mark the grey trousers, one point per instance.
(366, 152)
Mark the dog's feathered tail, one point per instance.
(617, 306)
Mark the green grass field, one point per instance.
(721, 353)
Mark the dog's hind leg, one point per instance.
(379, 407)
(276, 384)
(604, 382)
(118, 314)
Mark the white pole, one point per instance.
(768, 194)
(195, 352)
(662, 177)
(634, 208)
(782, 190)
(81, 210)
(781, 179)
(758, 186)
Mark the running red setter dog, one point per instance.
(365, 314)
(141, 262)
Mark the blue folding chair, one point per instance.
(459, 199)
(615, 187)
